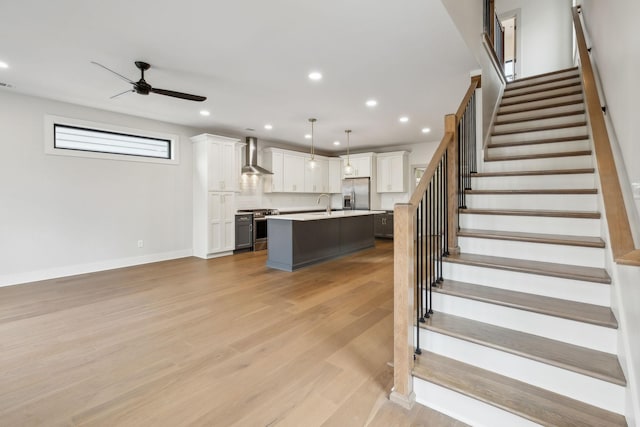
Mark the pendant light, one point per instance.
(348, 169)
(312, 160)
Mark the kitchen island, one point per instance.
(300, 240)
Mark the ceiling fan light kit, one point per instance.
(143, 88)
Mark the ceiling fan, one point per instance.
(144, 88)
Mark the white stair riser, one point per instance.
(546, 86)
(586, 389)
(572, 162)
(534, 182)
(537, 95)
(574, 202)
(573, 255)
(580, 131)
(578, 333)
(555, 287)
(540, 123)
(464, 408)
(566, 74)
(529, 149)
(541, 103)
(548, 225)
(541, 112)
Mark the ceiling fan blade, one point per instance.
(126, 79)
(178, 94)
(122, 93)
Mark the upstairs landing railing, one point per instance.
(425, 231)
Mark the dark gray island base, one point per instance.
(296, 241)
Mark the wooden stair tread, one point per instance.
(537, 191)
(539, 156)
(540, 128)
(526, 108)
(525, 400)
(578, 311)
(534, 172)
(551, 73)
(508, 95)
(540, 98)
(566, 271)
(538, 141)
(593, 363)
(532, 212)
(541, 117)
(518, 236)
(510, 87)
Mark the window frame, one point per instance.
(52, 121)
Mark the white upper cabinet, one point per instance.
(218, 161)
(292, 174)
(392, 171)
(335, 175)
(316, 180)
(361, 165)
(273, 161)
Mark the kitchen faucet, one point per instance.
(328, 202)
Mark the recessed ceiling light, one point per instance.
(371, 103)
(315, 76)
(204, 113)
(404, 119)
(426, 130)
(336, 142)
(268, 127)
(307, 136)
(4, 65)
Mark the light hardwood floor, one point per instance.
(221, 342)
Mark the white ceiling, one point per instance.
(251, 59)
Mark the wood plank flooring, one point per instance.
(224, 342)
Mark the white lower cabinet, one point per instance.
(214, 225)
(221, 233)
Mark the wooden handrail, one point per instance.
(447, 139)
(620, 235)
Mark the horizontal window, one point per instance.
(98, 141)
(86, 139)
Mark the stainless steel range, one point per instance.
(260, 236)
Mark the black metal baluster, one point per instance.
(446, 205)
(441, 219)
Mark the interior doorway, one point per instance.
(509, 25)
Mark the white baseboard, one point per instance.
(72, 270)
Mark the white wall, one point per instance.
(616, 56)
(64, 215)
(545, 36)
(615, 42)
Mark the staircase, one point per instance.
(523, 333)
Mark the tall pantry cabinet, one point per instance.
(216, 180)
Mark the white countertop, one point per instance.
(312, 216)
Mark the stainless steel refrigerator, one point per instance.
(356, 193)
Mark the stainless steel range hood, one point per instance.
(251, 155)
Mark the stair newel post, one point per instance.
(403, 304)
(452, 184)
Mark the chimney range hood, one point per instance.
(251, 167)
